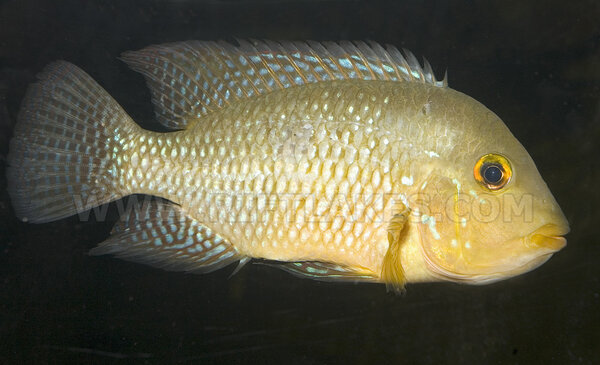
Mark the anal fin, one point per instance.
(160, 234)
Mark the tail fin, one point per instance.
(63, 156)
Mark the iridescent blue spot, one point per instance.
(226, 255)
(344, 62)
(311, 59)
(314, 270)
(361, 67)
(284, 81)
(331, 64)
(212, 252)
(302, 65)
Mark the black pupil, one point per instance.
(492, 174)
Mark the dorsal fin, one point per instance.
(191, 79)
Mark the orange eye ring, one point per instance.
(492, 171)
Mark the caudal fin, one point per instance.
(64, 154)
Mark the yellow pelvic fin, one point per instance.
(392, 272)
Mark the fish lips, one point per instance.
(549, 236)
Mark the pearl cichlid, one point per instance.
(335, 161)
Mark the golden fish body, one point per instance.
(300, 174)
(343, 169)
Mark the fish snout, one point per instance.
(549, 236)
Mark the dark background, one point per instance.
(536, 64)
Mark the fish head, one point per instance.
(485, 213)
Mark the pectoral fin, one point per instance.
(392, 272)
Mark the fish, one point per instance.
(338, 161)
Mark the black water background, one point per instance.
(536, 64)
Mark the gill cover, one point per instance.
(464, 235)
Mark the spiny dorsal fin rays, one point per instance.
(189, 80)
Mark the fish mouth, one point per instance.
(548, 236)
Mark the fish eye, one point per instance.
(492, 174)
(493, 171)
